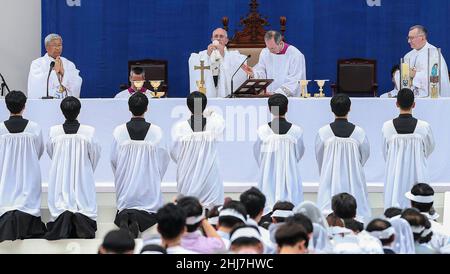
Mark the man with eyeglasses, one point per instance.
(137, 79)
(222, 65)
(63, 77)
(418, 63)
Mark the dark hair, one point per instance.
(171, 221)
(302, 220)
(282, 205)
(230, 221)
(344, 205)
(138, 103)
(415, 218)
(394, 69)
(254, 201)
(213, 212)
(422, 189)
(195, 100)
(353, 225)
(191, 207)
(340, 104)
(334, 220)
(290, 234)
(244, 241)
(405, 98)
(15, 101)
(380, 225)
(392, 212)
(278, 104)
(154, 248)
(137, 70)
(118, 241)
(70, 107)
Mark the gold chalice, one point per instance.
(320, 83)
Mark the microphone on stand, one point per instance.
(4, 85)
(52, 64)
(232, 90)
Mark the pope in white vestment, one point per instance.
(64, 77)
(195, 153)
(418, 62)
(223, 64)
(283, 63)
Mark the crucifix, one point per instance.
(201, 83)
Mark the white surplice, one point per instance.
(20, 180)
(341, 167)
(285, 69)
(197, 160)
(37, 79)
(139, 167)
(278, 157)
(406, 161)
(419, 60)
(71, 185)
(228, 65)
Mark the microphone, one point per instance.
(4, 85)
(52, 64)
(232, 90)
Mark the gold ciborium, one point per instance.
(303, 84)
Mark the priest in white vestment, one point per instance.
(223, 63)
(282, 62)
(195, 153)
(277, 151)
(139, 161)
(71, 186)
(137, 79)
(64, 78)
(408, 142)
(418, 63)
(21, 147)
(342, 149)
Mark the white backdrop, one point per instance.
(20, 40)
(243, 116)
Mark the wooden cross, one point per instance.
(202, 69)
